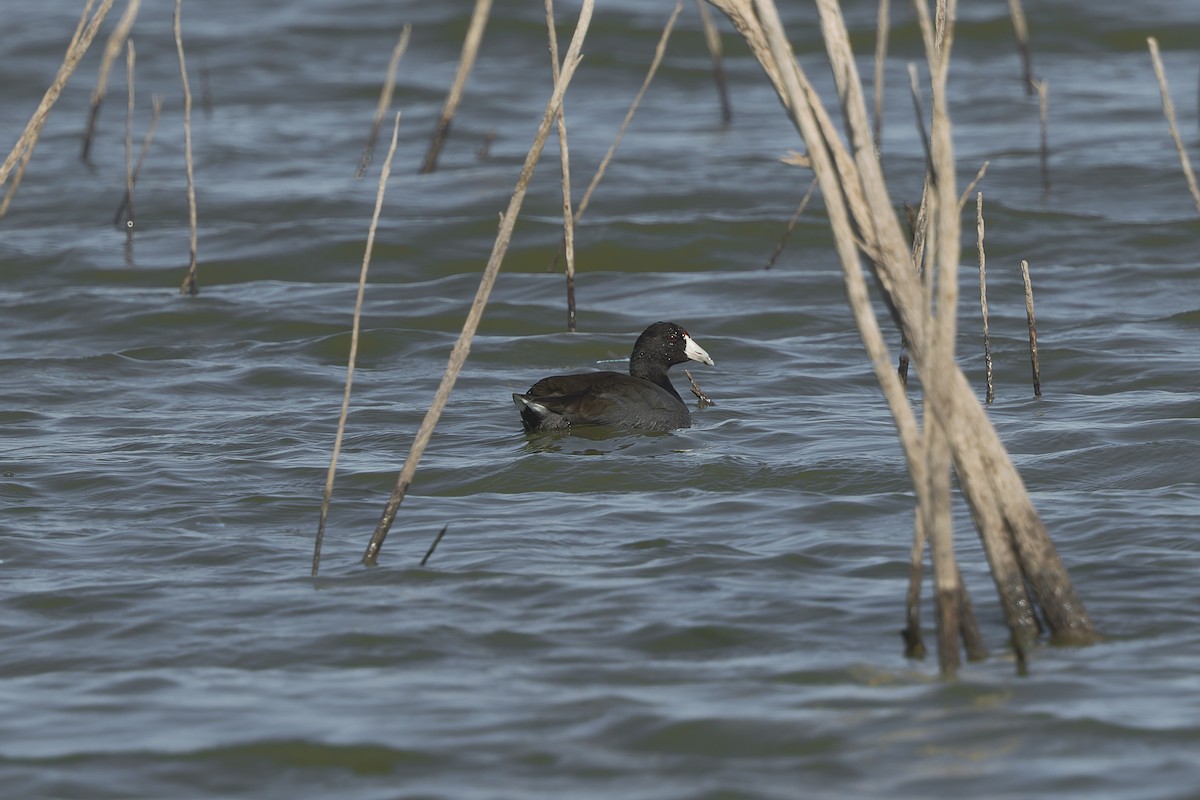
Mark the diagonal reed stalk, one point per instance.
(124, 216)
(463, 346)
(18, 158)
(385, 100)
(1169, 113)
(466, 63)
(112, 49)
(355, 327)
(865, 225)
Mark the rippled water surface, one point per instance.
(710, 613)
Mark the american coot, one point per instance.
(642, 399)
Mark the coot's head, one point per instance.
(666, 343)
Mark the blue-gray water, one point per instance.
(712, 613)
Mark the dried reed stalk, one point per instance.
(983, 307)
(466, 63)
(1169, 113)
(1033, 351)
(882, 27)
(189, 281)
(1043, 93)
(130, 60)
(124, 216)
(433, 546)
(116, 40)
(565, 169)
(1021, 29)
(712, 40)
(385, 100)
(18, 158)
(862, 218)
(787, 233)
(659, 50)
(703, 399)
(463, 346)
(355, 327)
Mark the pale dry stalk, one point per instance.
(463, 346)
(882, 27)
(983, 306)
(116, 40)
(466, 63)
(1021, 29)
(356, 325)
(385, 100)
(1033, 350)
(1169, 113)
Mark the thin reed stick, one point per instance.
(385, 100)
(659, 50)
(18, 158)
(1033, 350)
(712, 40)
(882, 28)
(1169, 113)
(1043, 92)
(466, 63)
(130, 60)
(463, 346)
(122, 219)
(116, 41)
(962, 200)
(189, 281)
(983, 307)
(355, 327)
(703, 399)
(787, 233)
(565, 169)
(436, 541)
(1021, 29)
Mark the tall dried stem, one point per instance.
(463, 346)
(385, 100)
(466, 63)
(112, 49)
(565, 169)
(1169, 113)
(355, 327)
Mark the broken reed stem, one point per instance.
(1021, 29)
(385, 100)
(882, 27)
(463, 346)
(18, 158)
(189, 281)
(983, 307)
(966, 195)
(787, 233)
(112, 49)
(1169, 113)
(355, 327)
(565, 169)
(659, 49)
(712, 40)
(1033, 351)
(1043, 91)
(124, 215)
(466, 62)
(436, 541)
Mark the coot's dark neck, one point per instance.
(649, 369)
